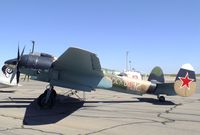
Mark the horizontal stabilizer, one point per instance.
(165, 89)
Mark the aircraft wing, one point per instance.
(77, 69)
(4, 85)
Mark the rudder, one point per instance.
(185, 83)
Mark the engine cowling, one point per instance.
(36, 62)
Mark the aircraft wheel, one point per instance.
(45, 103)
(161, 98)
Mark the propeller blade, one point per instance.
(16, 70)
(13, 75)
(18, 76)
(22, 52)
(18, 54)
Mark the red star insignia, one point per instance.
(186, 81)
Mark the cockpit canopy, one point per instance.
(122, 74)
(43, 55)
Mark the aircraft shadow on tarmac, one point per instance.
(139, 100)
(16, 102)
(7, 91)
(155, 101)
(34, 115)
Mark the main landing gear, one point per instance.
(48, 98)
(161, 98)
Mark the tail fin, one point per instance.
(156, 75)
(185, 83)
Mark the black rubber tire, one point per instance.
(50, 103)
(162, 99)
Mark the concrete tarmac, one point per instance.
(103, 113)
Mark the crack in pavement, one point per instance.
(169, 111)
(190, 114)
(13, 117)
(120, 125)
(115, 110)
(148, 121)
(112, 117)
(167, 120)
(22, 127)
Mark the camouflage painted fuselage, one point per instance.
(126, 85)
(184, 85)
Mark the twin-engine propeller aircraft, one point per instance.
(81, 70)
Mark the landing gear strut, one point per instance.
(48, 98)
(74, 92)
(161, 98)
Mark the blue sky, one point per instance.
(155, 32)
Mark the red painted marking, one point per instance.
(186, 81)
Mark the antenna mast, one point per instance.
(33, 47)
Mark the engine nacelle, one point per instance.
(6, 71)
(36, 62)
